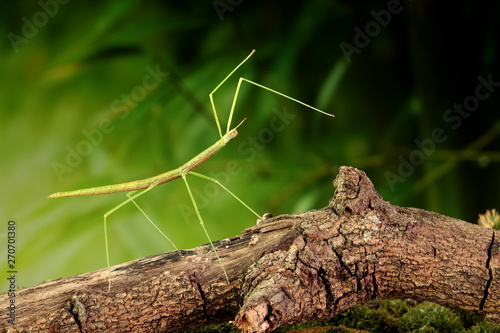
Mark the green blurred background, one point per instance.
(70, 73)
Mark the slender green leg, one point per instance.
(286, 96)
(203, 225)
(225, 189)
(106, 229)
(238, 90)
(268, 89)
(218, 86)
(151, 221)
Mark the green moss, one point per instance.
(484, 326)
(221, 328)
(374, 316)
(426, 315)
(426, 329)
(389, 315)
(318, 327)
(409, 316)
(373, 320)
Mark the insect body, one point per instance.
(148, 184)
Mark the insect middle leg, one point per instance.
(203, 225)
(131, 198)
(199, 215)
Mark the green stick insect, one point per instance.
(146, 185)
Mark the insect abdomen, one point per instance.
(130, 186)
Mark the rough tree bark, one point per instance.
(287, 269)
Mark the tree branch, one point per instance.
(287, 269)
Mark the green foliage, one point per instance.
(490, 219)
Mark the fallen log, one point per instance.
(286, 269)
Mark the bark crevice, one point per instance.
(490, 273)
(77, 310)
(202, 295)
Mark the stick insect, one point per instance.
(140, 187)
